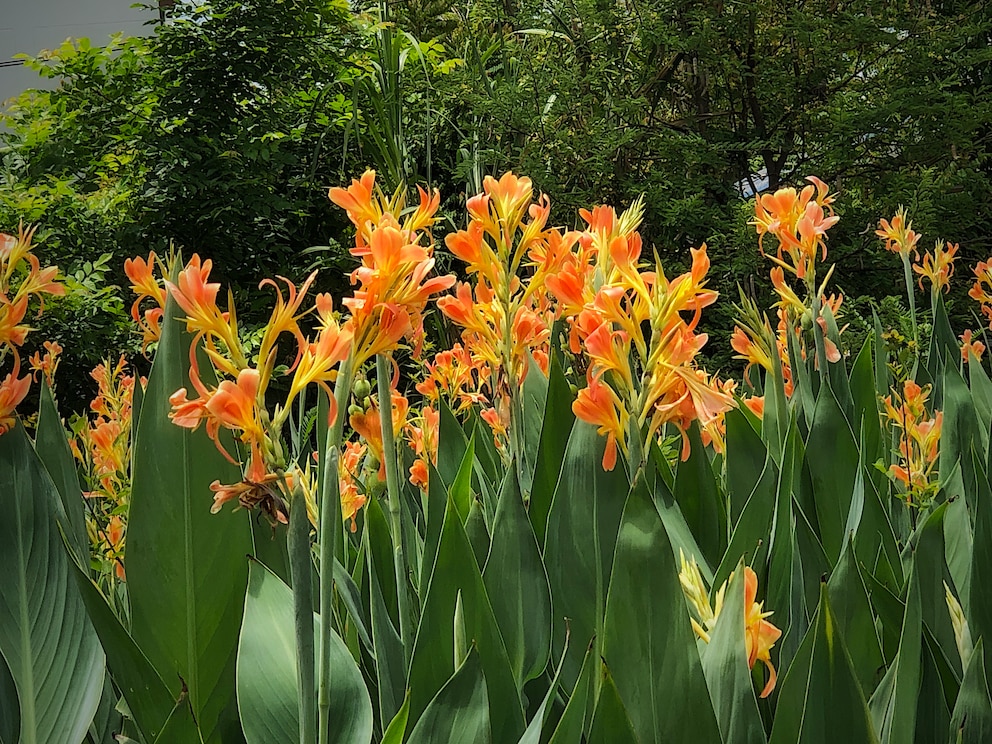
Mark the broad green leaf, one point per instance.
(611, 721)
(51, 649)
(451, 445)
(456, 573)
(866, 418)
(746, 461)
(698, 496)
(150, 702)
(555, 431)
(820, 699)
(981, 391)
(971, 721)
(268, 686)
(893, 706)
(959, 547)
(478, 534)
(980, 600)
(933, 715)
(942, 340)
(435, 504)
(517, 585)
(460, 710)
(10, 708)
(649, 644)
(931, 567)
(832, 457)
(390, 663)
(664, 501)
(785, 595)
(186, 568)
(52, 446)
(107, 721)
(750, 536)
(581, 537)
(351, 597)
(727, 675)
(534, 400)
(960, 426)
(852, 610)
(461, 487)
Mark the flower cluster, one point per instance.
(799, 221)
(981, 290)
(759, 634)
(144, 283)
(394, 288)
(506, 316)
(898, 234)
(237, 401)
(22, 279)
(638, 329)
(938, 266)
(397, 258)
(102, 445)
(919, 437)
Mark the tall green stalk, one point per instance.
(329, 523)
(911, 294)
(299, 567)
(393, 494)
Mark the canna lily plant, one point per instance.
(560, 528)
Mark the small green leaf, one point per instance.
(611, 721)
(971, 721)
(459, 711)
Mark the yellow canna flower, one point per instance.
(760, 635)
(938, 266)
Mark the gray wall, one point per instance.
(28, 26)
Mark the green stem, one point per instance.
(393, 494)
(911, 294)
(299, 567)
(329, 521)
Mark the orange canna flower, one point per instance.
(898, 234)
(352, 497)
(12, 391)
(970, 348)
(756, 404)
(919, 438)
(141, 273)
(597, 404)
(760, 635)
(369, 427)
(47, 365)
(799, 221)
